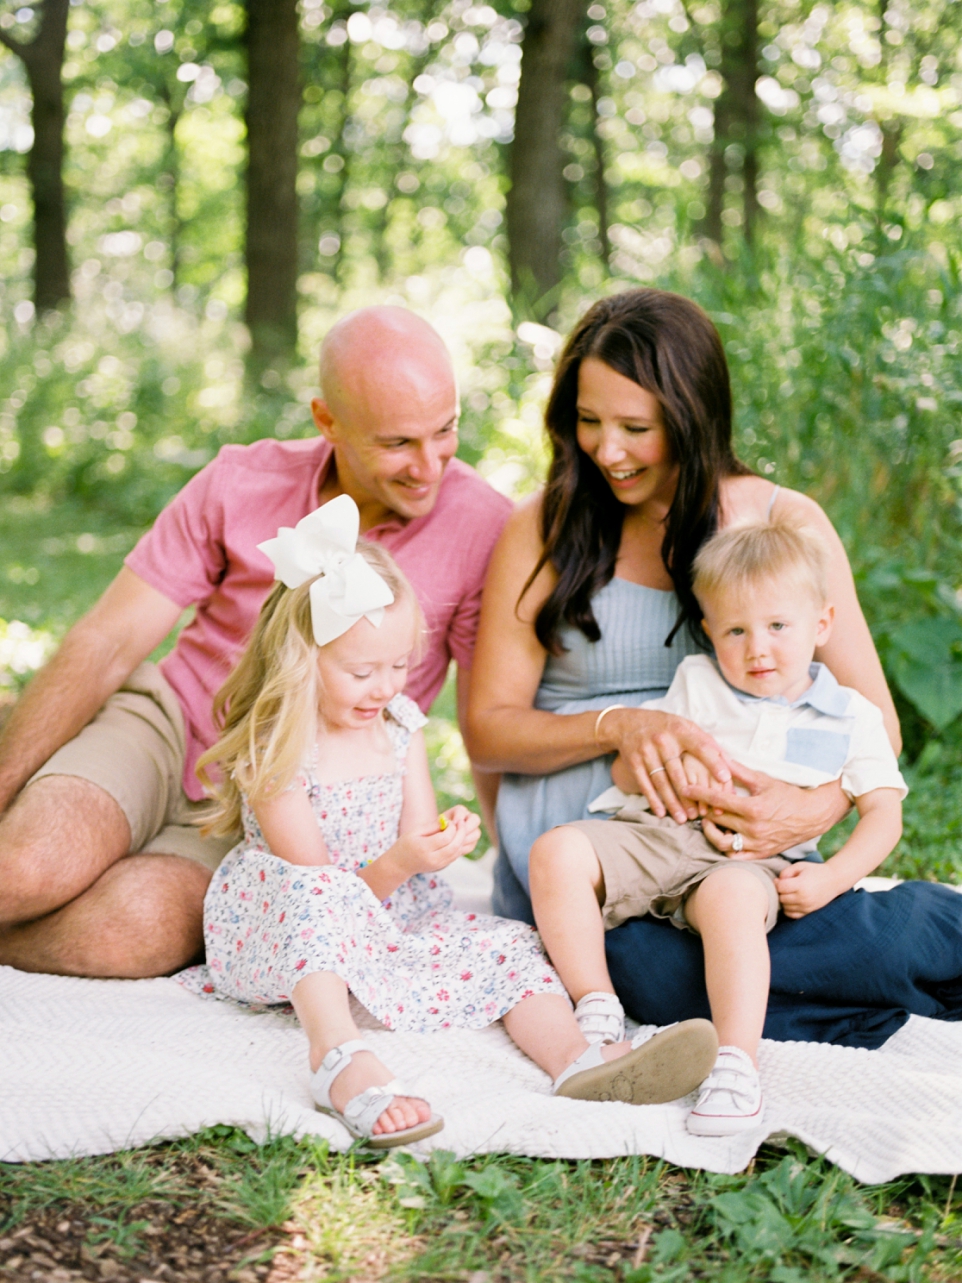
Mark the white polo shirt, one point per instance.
(830, 732)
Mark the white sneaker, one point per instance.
(731, 1097)
(601, 1018)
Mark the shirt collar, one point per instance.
(824, 695)
(394, 522)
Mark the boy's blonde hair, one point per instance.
(743, 555)
(267, 709)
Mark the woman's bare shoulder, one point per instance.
(803, 508)
(751, 498)
(522, 531)
(744, 499)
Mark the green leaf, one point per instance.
(669, 1245)
(927, 666)
(490, 1184)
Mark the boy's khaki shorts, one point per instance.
(652, 865)
(134, 750)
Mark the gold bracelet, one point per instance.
(610, 709)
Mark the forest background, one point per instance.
(191, 191)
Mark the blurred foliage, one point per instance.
(842, 321)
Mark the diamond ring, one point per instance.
(738, 842)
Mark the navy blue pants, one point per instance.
(851, 973)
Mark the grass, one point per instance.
(291, 1209)
(217, 1207)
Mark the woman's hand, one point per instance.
(652, 746)
(773, 816)
(806, 886)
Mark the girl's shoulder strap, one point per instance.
(406, 714)
(771, 502)
(404, 718)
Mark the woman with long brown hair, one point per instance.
(588, 610)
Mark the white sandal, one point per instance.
(362, 1112)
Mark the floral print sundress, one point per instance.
(415, 963)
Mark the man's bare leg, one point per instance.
(73, 903)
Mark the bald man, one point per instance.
(102, 868)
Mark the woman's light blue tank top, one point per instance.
(630, 664)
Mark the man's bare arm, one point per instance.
(95, 658)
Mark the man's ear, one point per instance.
(323, 419)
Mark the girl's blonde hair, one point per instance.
(743, 555)
(266, 711)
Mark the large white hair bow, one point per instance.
(325, 543)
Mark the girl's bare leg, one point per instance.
(320, 1001)
(567, 887)
(544, 1027)
(728, 910)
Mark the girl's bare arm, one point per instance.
(290, 829)
(422, 845)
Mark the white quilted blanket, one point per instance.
(87, 1067)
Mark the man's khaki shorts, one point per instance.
(134, 750)
(652, 865)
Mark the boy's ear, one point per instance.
(705, 629)
(826, 621)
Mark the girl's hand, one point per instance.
(806, 886)
(430, 848)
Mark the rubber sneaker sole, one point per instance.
(724, 1124)
(669, 1065)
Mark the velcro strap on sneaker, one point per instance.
(601, 1017)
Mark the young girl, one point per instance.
(334, 887)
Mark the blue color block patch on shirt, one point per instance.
(822, 750)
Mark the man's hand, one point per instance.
(806, 886)
(652, 745)
(773, 816)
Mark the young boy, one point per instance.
(762, 591)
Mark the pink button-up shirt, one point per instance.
(202, 552)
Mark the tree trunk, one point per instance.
(43, 60)
(737, 116)
(537, 201)
(170, 180)
(273, 103)
(598, 144)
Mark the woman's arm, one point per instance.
(850, 652)
(290, 829)
(505, 732)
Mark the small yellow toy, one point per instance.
(442, 823)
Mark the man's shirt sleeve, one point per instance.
(183, 554)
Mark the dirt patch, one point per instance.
(181, 1240)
